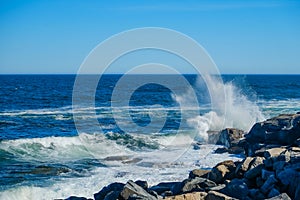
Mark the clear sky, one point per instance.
(54, 36)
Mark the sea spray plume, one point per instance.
(236, 110)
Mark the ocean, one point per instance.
(45, 155)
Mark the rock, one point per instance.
(163, 187)
(192, 185)
(76, 198)
(256, 194)
(218, 187)
(254, 172)
(188, 196)
(222, 171)
(265, 174)
(131, 189)
(243, 166)
(283, 129)
(286, 176)
(214, 195)
(113, 195)
(282, 196)
(143, 184)
(269, 184)
(199, 173)
(112, 187)
(273, 193)
(259, 182)
(230, 137)
(274, 152)
(221, 150)
(237, 188)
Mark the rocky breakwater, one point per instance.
(270, 169)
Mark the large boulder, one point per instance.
(236, 188)
(114, 187)
(193, 185)
(214, 195)
(188, 196)
(230, 137)
(283, 130)
(199, 173)
(133, 191)
(222, 171)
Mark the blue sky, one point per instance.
(241, 36)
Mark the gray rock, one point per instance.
(192, 185)
(214, 195)
(218, 187)
(230, 137)
(132, 190)
(143, 184)
(269, 184)
(265, 174)
(199, 173)
(254, 172)
(256, 194)
(274, 152)
(282, 196)
(237, 188)
(113, 195)
(243, 166)
(112, 187)
(283, 129)
(76, 198)
(222, 171)
(163, 187)
(273, 193)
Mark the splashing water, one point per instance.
(235, 110)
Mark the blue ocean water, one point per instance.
(39, 143)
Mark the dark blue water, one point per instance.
(33, 107)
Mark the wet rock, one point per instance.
(106, 190)
(192, 185)
(143, 184)
(282, 196)
(265, 174)
(269, 184)
(273, 193)
(214, 195)
(76, 198)
(188, 196)
(283, 129)
(199, 173)
(218, 187)
(132, 190)
(255, 168)
(113, 195)
(230, 137)
(243, 166)
(163, 187)
(222, 171)
(237, 188)
(274, 152)
(256, 194)
(221, 150)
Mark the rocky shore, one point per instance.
(270, 169)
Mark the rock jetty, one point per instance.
(270, 169)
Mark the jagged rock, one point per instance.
(255, 167)
(112, 187)
(274, 152)
(192, 185)
(113, 195)
(256, 194)
(199, 173)
(76, 198)
(265, 174)
(214, 195)
(283, 129)
(133, 190)
(282, 196)
(273, 193)
(290, 178)
(218, 187)
(269, 184)
(237, 188)
(143, 184)
(163, 187)
(243, 166)
(188, 196)
(221, 150)
(230, 137)
(222, 171)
